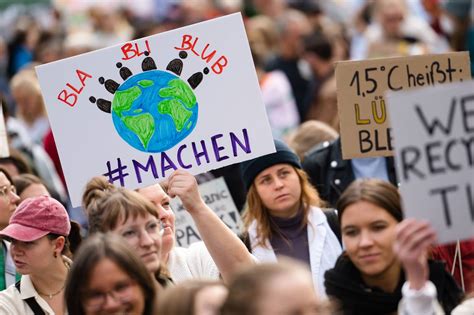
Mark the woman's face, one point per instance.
(279, 189)
(209, 299)
(35, 256)
(287, 294)
(368, 233)
(112, 291)
(8, 200)
(161, 200)
(143, 234)
(34, 190)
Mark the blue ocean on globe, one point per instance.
(154, 110)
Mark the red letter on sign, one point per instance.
(64, 97)
(219, 65)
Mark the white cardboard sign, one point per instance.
(433, 131)
(4, 151)
(188, 99)
(217, 196)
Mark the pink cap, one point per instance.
(36, 217)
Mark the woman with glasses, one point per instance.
(38, 232)
(8, 198)
(8, 202)
(108, 278)
(220, 254)
(126, 213)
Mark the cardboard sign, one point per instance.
(4, 151)
(217, 196)
(364, 124)
(188, 98)
(433, 130)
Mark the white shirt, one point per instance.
(193, 262)
(10, 270)
(324, 247)
(12, 302)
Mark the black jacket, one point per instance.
(330, 174)
(344, 284)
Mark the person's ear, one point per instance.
(59, 245)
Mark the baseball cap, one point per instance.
(36, 217)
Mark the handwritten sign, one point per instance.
(217, 196)
(188, 98)
(364, 121)
(4, 151)
(434, 152)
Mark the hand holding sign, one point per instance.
(183, 185)
(411, 245)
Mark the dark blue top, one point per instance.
(289, 238)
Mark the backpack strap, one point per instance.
(333, 222)
(245, 238)
(32, 303)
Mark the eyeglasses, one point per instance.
(6, 190)
(122, 292)
(152, 229)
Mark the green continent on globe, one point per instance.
(142, 125)
(174, 108)
(181, 94)
(145, 83)
(123, 100)
(179, 90)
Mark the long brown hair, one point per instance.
(256, 210)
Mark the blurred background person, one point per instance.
(193, 297)
(395, 31)
(278, 98)
(273, 288)
(106, 266)
(29, 185)
(30, 108)
(321, 100)
(310, 134)
(292, 26)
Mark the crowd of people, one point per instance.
(320, 234)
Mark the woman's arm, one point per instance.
(226, 249)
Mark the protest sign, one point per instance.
(433, 130)
(188, 98)
(364, 124)
(217, 196)
(4, 151)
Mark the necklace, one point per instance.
(50, 296)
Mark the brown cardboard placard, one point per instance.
(361, 85)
